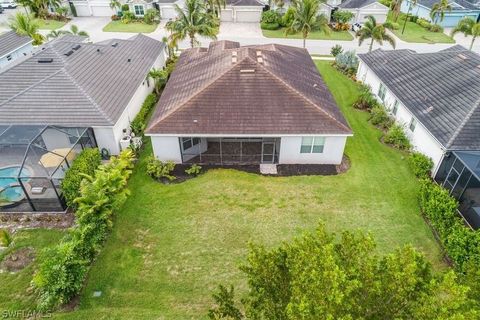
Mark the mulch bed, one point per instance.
(17, 260)
(306, 170)
(29, 220)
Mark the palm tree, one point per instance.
(170, 47)
(438, 10)
(468, 27)
(159, 78)
(25, 25)
(192, 20)
(74, 30)
(376, 32)
(56, 33)
(216, 6)
(306, 19)
(115, 4)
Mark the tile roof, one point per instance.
(245, 3)
(210, 93)
(10, 41)
(354, 4)
(456, 4)
(90, 87)
(441, 89)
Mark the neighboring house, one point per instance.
(227, 104)
(460, 10)
(436, 96)
(13, 46)
(242, 11)
(323, 9)
(363, 8)
(167, 8)
(95, 8)
(70, 84)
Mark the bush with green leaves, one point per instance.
(270, 16)
(366, 100)
(128, 17)
(288, 17)
(435, 28)
(420, 164)
(269, 26)
(5, 238)
(423, 23)
(380, 118)
(151, 16)
(139, 124)
(194, 170)
(336, 50)
(413, 18)
(84, 165)
(159, 169)
(396, 137)
(125, 8)
(321, 275)
(391, 25)
(347, 62)
(64, 267)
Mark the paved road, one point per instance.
(247, 34)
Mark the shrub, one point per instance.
(128, 17)
(115, 17)
(269, 26)
(336, 50)
(288, 17)
(270, 17)
(5, 238)
(125, 8)
(84, 165)
(386, 3)
(396, 137)
(379, 117)
(435, 28)
(366, 100)
(158, 169)
(347, 62)
(391, 25)
(194, 170)
(413, 19)
(140, 122)
(420, 164)
(151, 16)
(423, 23)
(64, 267)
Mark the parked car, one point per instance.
(9, 4)
(356, 26)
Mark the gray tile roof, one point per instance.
(245, 3)
(354, 4)
(456, 4)
(90, 87)
(441, 89)
(209, 92)
(10, 41)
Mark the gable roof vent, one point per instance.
(247, 70)
(76, 47)
(259, 53)
(115, 44)
(234, 57)
(45, 60)
(260, 60)
(69, 53)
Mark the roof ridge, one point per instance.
(305, 98)
(462, 125)
(183, 103)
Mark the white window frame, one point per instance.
(382, 92)
(312, 145)
(395, 107)
(135, 6)
(413, 123)
(192, 140)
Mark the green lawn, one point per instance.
(173, 244)
(15, 291)
(134, 27)
(416, 33)
(316, 35)
(50, 24)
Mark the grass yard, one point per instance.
(316, 35)
(416, 33)
(15, 291)
(50, 24)
(133, 27)
(173, 244)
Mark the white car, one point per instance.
(9, 4)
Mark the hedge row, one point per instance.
(85, 164)
(461, 243)
(64, 267)
(139, 124)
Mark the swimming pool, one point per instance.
(8, 176)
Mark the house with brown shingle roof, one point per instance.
(227, 104)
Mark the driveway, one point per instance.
(230, 30)
(7, 13)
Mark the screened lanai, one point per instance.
(33, 162)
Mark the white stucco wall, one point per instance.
(167, 148)
(241, 14)
(420, 138)
(376, 9)
(332, 151)
(17, 53)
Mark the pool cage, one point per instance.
(33, 162)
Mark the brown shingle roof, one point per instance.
(209, 93)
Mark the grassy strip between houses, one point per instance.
(173, 244)
(416, 33)
(49, 24)
(133, 27)
(315, 35)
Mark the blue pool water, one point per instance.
(7, 177)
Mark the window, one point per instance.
(312, 145)
(187, 143)
(139, 11)
(412, 125)
(382, 91)
(395, 107)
